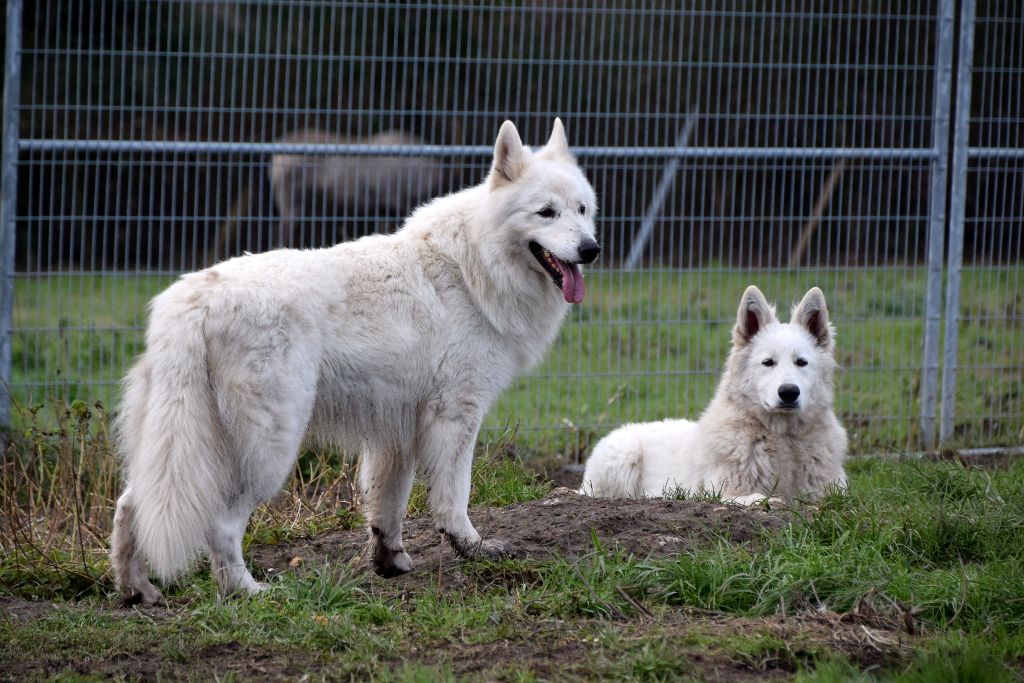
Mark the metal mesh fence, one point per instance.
(986, 387)
(765, 142)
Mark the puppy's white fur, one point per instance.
(751, 442)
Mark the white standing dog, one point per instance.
(395, 345)
(770, 430)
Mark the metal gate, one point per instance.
(874, 150)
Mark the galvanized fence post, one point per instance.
(957, 201)
(636, 252)
(937, 221)
(9, 198)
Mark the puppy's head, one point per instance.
(784, 367)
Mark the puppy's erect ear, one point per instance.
(812, 315)
(558, 146)
(754, 313)
(509, 156)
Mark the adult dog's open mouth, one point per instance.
(566, 276)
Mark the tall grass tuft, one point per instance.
(58, 480)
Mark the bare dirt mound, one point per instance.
(563, 524)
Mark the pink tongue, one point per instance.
(572, 282)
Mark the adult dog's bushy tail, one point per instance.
(172, 443)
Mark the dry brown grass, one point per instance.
(59, 481)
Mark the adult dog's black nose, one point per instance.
(789, 393)
(588, 251)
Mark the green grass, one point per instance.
(643, 346)
(75, 336)
(935, 547)
(938, 537)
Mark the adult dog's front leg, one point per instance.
(447, 461)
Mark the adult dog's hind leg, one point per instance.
(226, 562)
(386, 482)
(129, 568)
(447, 460)
(265, 416)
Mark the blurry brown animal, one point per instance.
(358, 184)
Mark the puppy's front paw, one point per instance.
(758, 500)
(752, 499)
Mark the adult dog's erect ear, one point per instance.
(558, 146)
(509, 157)
(812, 314)
(754, 313)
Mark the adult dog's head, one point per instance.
(778, 367)
(544, 207)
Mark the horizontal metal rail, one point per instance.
(996, 152)
(362, 149)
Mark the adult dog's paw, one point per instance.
(481, 549)
(144, 595)
(391, 563)
(495, 549)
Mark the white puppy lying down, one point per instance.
(770, 430)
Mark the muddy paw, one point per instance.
(147, 595)
(391, 563)
(494, 549)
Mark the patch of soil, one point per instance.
(551, 650)
(563, 524)
(225, 660)
(18, 609)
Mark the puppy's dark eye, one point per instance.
(800, 362)
(547, 212)
(583, 210)
(768, 362)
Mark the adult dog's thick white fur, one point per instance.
(395, 345)
(769, 431)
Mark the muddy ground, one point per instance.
(562, 524)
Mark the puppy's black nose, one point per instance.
(789, 393)
(588, 251)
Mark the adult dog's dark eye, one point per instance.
(583, 210)
(800, 362)
(768, 362)
(547, 212)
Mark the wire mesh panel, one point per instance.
(766, 143)
(989, 401)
